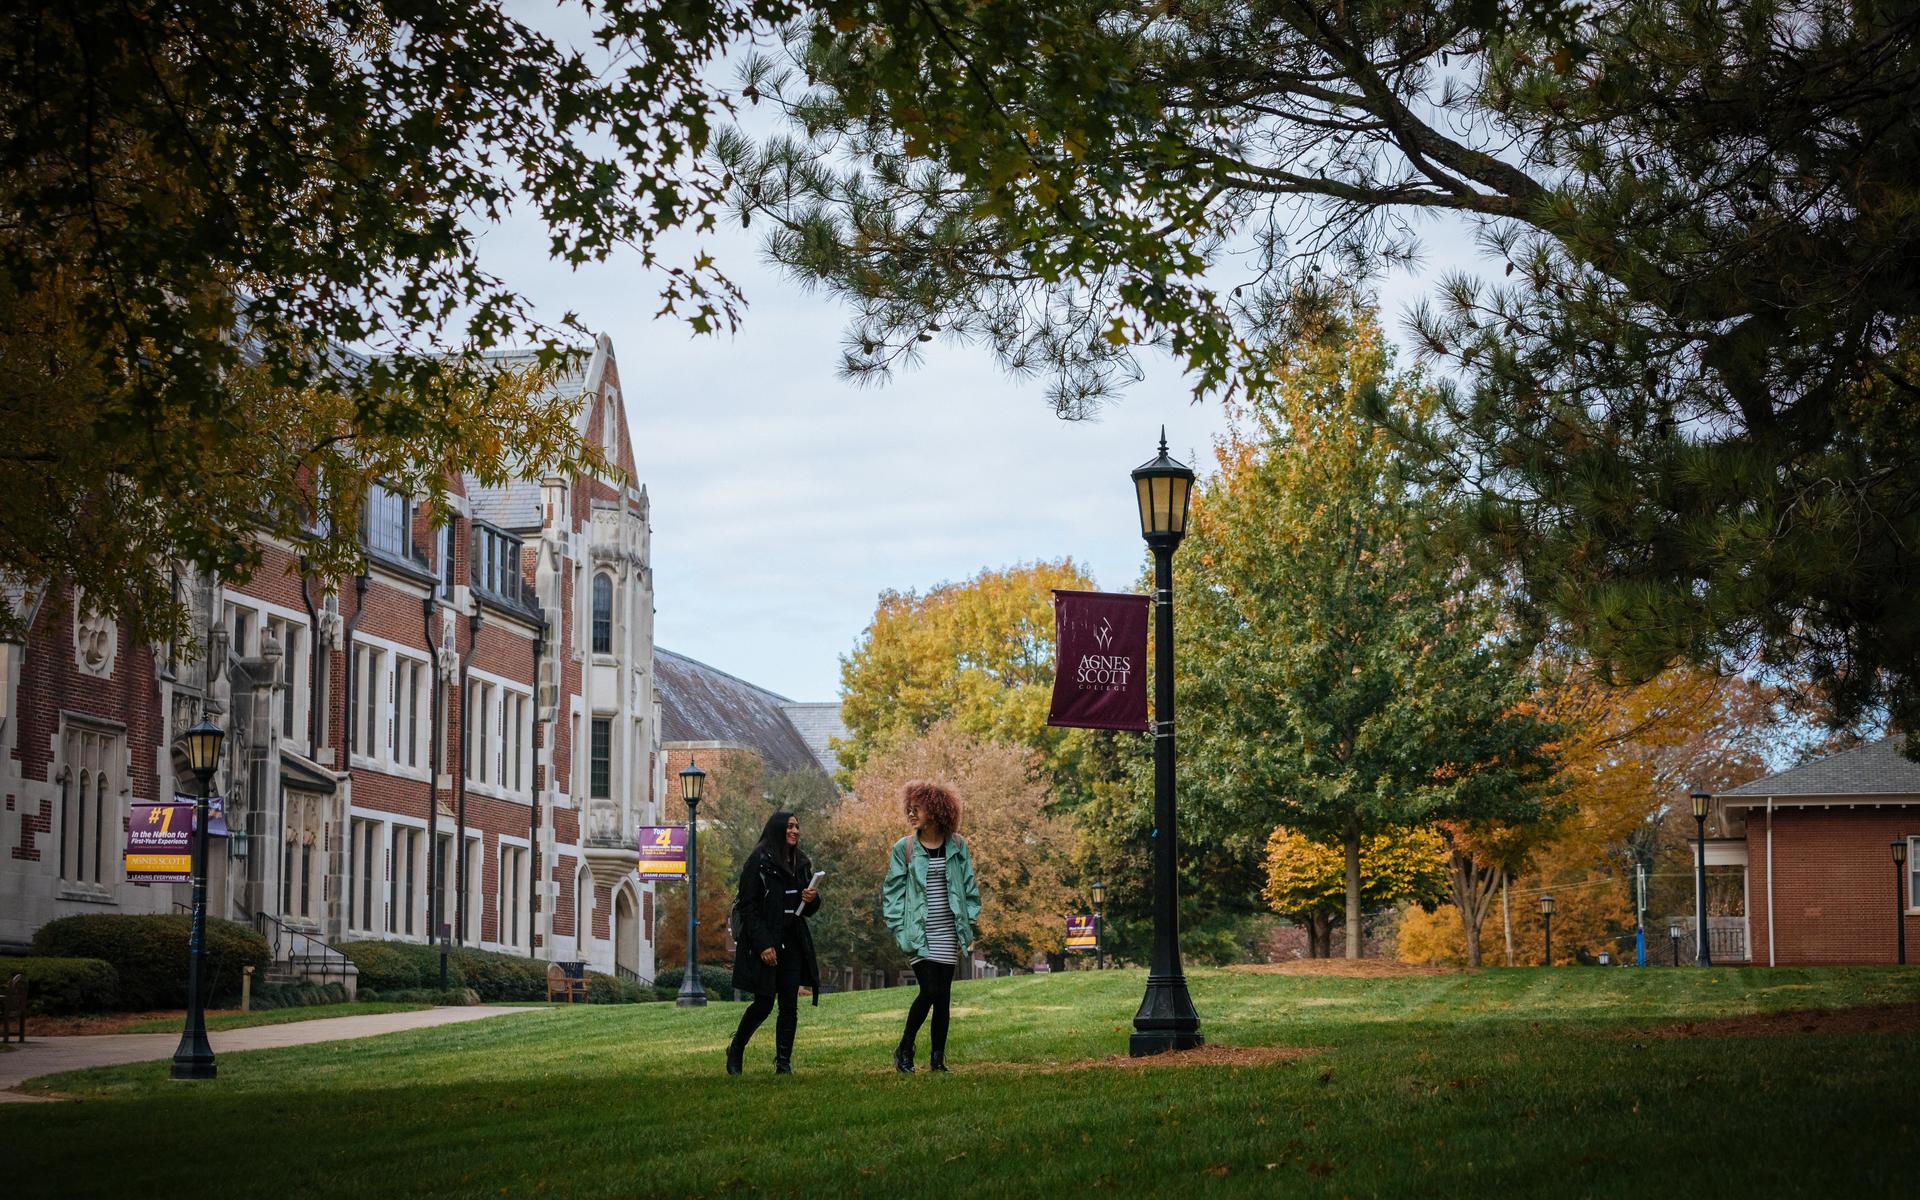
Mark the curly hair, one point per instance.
(934, 802)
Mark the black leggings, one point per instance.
(788, 979)
(936, 993)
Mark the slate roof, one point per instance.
(699, 703)
(1875, 769)
(817, 722)
(515, 505)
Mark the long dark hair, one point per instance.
(773, 841)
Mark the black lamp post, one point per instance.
(692, 995)
(1899, 888)
(1167, 1019)
(1673, 932)
(1701, 802)
(194, 1057)
(1546, 924)
(1100, 926)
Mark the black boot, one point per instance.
(782, 1065)
(734, 1053)
(903, 1061)
(938, 1062)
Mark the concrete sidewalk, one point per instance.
(51, 1055)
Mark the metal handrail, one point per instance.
(289, 943)
(631, 975)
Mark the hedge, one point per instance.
(57, 987)
(453, 997)
(296, 995)
(717, 982)
(149, 953)
(412, 966)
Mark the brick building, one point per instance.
(1815, 843)
(477, 708)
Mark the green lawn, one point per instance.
(274, 1016)
(1508, 1082)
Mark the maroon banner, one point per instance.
(160, 843)
(1100, 664)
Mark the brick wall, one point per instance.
(1833, 895)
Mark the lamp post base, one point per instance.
(194, 1061)
(1167, 1019)
(691, 995)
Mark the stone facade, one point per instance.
(464, 692)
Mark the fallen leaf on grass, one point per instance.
(1320, 1170)
(958, 1157)
(1220, 1172)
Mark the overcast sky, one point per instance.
(785, 500)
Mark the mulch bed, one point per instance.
(1878, 1018)
(1209, 1055)
(102, 1022)
(1348, 968)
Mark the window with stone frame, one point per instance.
(366, 875)
(304, 855)
(602, 613)
(600, 761)
(92, 803)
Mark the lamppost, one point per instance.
(692, 995)
(194, 1057)
(1899, 908)
(1701, 802)
(1167, 1019)
(1546, 924)
(1100, 926)
(1673, 932)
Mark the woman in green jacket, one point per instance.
(931, 901)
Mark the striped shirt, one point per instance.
(943, 946)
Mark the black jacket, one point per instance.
(762, 897)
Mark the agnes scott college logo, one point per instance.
(1103, 672)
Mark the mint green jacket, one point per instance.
(903, 899)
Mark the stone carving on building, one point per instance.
(96, 639)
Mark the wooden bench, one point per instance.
(13, 1008)
(567, 979)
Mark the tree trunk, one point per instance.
(1473, 885)
(1506, 916)
(1353, 886)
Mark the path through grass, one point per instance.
(1508, 1082)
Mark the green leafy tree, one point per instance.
(1688, 402)
(212, 204)
(1344, 677)
(1307, 881)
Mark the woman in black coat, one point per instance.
(774, 957)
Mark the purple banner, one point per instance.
(663, 852)
(1082, 933)
(160, 843)
(216, 814)
(1100, 666)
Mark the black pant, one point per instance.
(787, 979)
(936, 994)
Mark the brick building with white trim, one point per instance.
(498, 668)
(1816, 845)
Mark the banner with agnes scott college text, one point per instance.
(663, 852)
(1100, 665)
(160, 843)
(1081, 933)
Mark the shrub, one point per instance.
(412, 966)
(59, 986)
(458, 997)
(610, 989)
(401, 966)
(717, 981)
(503, 976)
(296, 995)
(149, 953)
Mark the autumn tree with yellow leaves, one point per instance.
(1307, 880)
